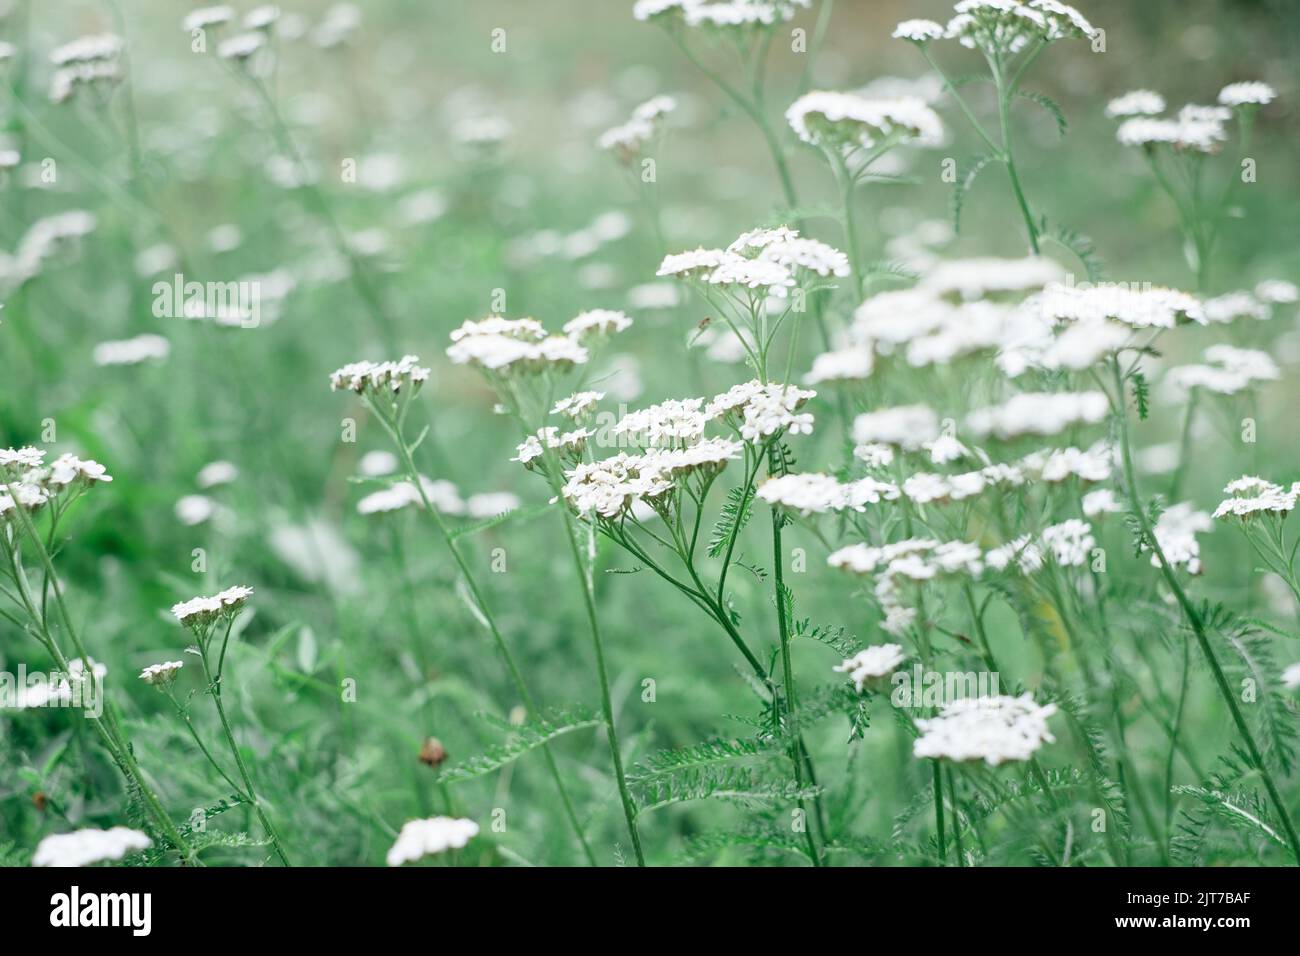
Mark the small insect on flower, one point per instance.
(879, 660)
(160, 675)
(992, 729)
(90, 845)
(201, 611)
(421, 838)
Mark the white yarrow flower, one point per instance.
(992, 729)
(89, 845)
(421, 838)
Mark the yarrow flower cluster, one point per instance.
(89, 845)
(596, 323)
(509, 346)
(199, 612)
(1176, 530)
(421, 838)
(569, 444)
(759, 411)
(1000, 27)
(629, 140)
(1226, 370)
(1197, 129)
(380, 377)
(611, 487)
(722, 14)
(815, 493)
(849, 121)
(992, 729)
(160, 675)
(874, 662)
(90, 61)
(33, 484)
(1249, 496)
(1038, 413)
(901, 564)
(770, 260)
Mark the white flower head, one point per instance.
(90, 845)
(852, 364)
(577, 405)
(1247, 94)
(918, 31)
(380, 378)
(907, 427)
(421, 838)
(198, 612)
(1176, 532)
(760, 411)
(879, 660)
(142, 348)
(1038, 413)
(846, 121)
(1136, 103)
(595, 323)
(69, 469)
(992, 729)
(1249, 497)
(205, 17)
(161, 674)
(1070, 543)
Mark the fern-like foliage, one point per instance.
(522, 739)
(743, 785)
(760, 841)
(477, 527)
(736, 512)
(1052, 107)
(1141, 394)
(709, 752)
(1250, 658)
(963, 186)
(1225, 818)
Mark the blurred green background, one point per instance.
(340, 595)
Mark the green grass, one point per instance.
(382, 612)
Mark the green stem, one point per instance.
(938, 811)
(1004, 119)
(607, 707)
(1193, 616)
(107, 727)
(214, 685)
(413, 475)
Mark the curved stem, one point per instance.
(607, 707)
(214, 685)
(481, 606)
(1194, 618)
